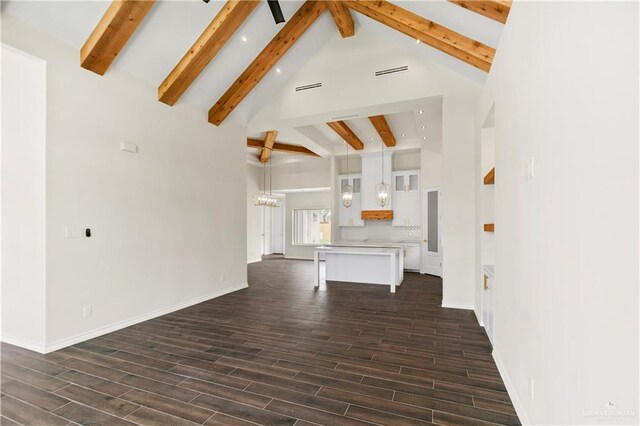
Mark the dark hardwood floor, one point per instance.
(279, 352)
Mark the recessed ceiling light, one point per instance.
(424, 137)
(403, 135)
(278, 70)
(417, 41)
(421, 111)
(371, 138)
(424, 127)
(244, 39)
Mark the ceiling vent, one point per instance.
(308, 87)
(344, 117)
(392, 71)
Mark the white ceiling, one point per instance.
(171, 27)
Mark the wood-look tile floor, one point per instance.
(279, 352)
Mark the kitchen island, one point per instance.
(360, 264)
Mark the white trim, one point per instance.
(63, 343)
(457, 306)
(26, 344)
(511, 389)
(257, 259)
(478, 317)
(298, 258)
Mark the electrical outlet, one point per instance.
(87, 311)
(530, 387)
(222, 277)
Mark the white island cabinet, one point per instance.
(370, 265)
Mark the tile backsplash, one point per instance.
(380, 231)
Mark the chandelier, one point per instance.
(262, 199)
(382, 189)
(347, 190)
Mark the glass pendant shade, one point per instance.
(382, 193)
(347, 195)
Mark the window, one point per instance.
(311, 226)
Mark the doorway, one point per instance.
(432, 241)
(277, 229)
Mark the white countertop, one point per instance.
(358, 249)
(372, 243)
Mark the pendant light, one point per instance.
(347, 190)
(382, 189)
(263, 199)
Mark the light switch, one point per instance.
(529, 168)
(128, 147)
(74, 231)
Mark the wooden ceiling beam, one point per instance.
(342, 17)
(270, 55)
(383, 129)
(345, 132)
(213, 38)
(111, 34)
(498, 10)
(461, 47)
(268, 145)
(281, 147)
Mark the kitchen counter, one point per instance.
(361, 264)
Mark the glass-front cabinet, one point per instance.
(406, 198)
(350, 216)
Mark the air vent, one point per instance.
(344, 117)
(308, 87)
(392, 71)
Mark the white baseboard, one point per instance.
(23, 343)
(511, 389)
(457, 306)
(298, 258)
(63, 343)
(478, 317)
(259, 259)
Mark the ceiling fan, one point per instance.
(274, 6)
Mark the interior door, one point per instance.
(277, 230)
(432, 242)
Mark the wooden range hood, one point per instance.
(376, 215)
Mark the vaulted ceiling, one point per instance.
(230, 58)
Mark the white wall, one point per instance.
(307, 173)
(458, 203)
(565, 87)
(23, 198)
(168, 223)
(430, 168)
(302, 200)
(406, 160)
(254, 214)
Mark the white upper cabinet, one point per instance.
(406, 198)
(350, 216)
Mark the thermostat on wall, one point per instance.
(128, 147)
